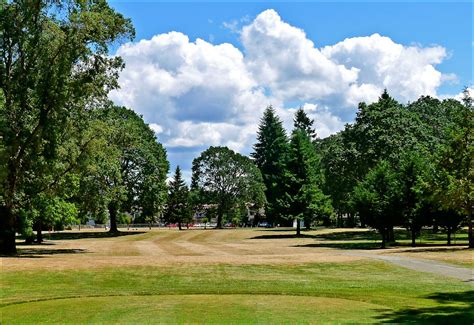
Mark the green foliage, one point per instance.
(415, 198)
(53, 68)
(376, 198)
(305, 199)
(302, 122)
(227, 179)
(178, 208)
(271, 155)
(127, 171)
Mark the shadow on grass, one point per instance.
(23, 243)
(369, 239)
(283, 236)
(350, 235)
(454, 308)
(345, 245)
(42, 252)
(377, 245)
(423, 248)
(89, 234)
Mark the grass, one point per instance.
(279, 291)
(355, 292)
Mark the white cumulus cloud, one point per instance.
(195, 93)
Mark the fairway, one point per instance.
(223, 276)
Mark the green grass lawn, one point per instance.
(363, 291)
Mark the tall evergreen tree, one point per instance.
(305, 199)
(304, 123)
(178, 206)
(271, 154)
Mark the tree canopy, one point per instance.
(227, 179)
(53, 68)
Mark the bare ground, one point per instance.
(240, 246)
(171, 247)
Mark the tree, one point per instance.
(178, 207)
(132, 176)
(302, 122)
(376, 199)
(227, 179)
(53, 67)
(339, 158)
(415, 198)
(305, 199)
(271, 155)
(455, 181)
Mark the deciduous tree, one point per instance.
(53, 67)
(227, 179)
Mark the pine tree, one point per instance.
(304, 123)
(271, 154)
(178, 207)
(305, 199)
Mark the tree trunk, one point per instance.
(298, 228)
(390, 235)
(7, 231)
(382, 232)
(435, 229)
(413, 237)
(179, 225)
(39, 233)
(449, 236)
(351, 220)
(113, 216)
(469, 221)
(220, 214)
(307, 224)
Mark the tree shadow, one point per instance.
(456, 308)
(89, 234)
(345, 245)
(435, 248)
(279, 229)
(23, 243)
(350, 235)
(43, 252)
(283, 236)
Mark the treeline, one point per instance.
(396, 165)
(68, 155)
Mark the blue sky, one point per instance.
(437, 35)
(448, 24)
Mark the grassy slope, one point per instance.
(374, 291)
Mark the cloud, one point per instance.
(283, 59)
(406, 71)
(195, 94)
(235, 25)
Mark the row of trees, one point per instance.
(284, 176)
(396, 165)
(224, 184)
(67, 154)
(404, 165)
(291, 171)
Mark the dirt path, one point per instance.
(430, 266)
